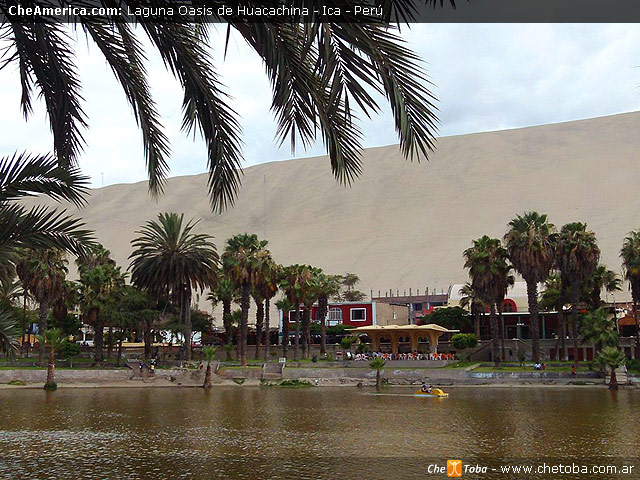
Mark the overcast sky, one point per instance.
(486, 77)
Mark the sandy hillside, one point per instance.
(405, 224)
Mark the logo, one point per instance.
(454, 468)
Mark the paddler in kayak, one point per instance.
(426, 389)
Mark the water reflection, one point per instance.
(245, 432)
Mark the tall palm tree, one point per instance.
(101, 282)
(326, 286)
(294, 281)
(225, 292)
(317, 70)
(284, 305)
(601, 279)
(39, 227)
(577, 255)
(490, 272)
(42, 273)
(469, 298)
(55, 340)
(530, 242)
(245, 258)
(630, 254)
(170, 259)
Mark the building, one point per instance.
(418, 305)
(359, 314)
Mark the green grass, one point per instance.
(293, 383)
(460, 364)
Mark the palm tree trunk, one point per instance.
(306, 332)
(575, 297)
(323, 303)
(501, 319)
(120, 348)
(42, 327)
(226, 321)
(207, 376)
(148, 341)
(110, 344)
(244, 323)
(267, 333)
(613, 381)
(50, 369)
(476, 321)
(495, 335)
(187, 321)
(296, 345)
(532, 297)
(98, 334)
(635, 316)
(24, 323)
(285, 333)
(378, 379)
(259, 322)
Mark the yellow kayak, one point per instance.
(436, 392)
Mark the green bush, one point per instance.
(461, 341)
(633, 364)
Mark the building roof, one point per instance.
(404, 328)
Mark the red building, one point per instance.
(357, 314)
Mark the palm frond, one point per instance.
(46, 60)
(205, 107)
(41, 227)
(125, 56)
(9, 332)
(24, 175)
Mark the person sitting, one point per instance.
(424, 388)
(430, 389)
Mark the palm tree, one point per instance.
(612, 358)
(209, 354)
(285, 306)
(377, 364)
(530, 242)
(490, 274)
(630, 254)
(39, 227)
(294, 281)
(326, 287)
(577, 255)
(171, 260)
(599, 330)
(100, 283)
(601, 279)
(226, 293)
(55, 340)
(245, 259)
(316, 69)
(42, 273)
(469, 299)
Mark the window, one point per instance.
(335, 316)
(358, 314)
(416, 307)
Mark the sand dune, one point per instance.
(406, 224)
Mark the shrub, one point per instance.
(633, 364)
(461, 341)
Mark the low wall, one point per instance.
(97, 376)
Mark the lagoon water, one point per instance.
(338, 433)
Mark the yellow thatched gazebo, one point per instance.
(395, 332)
